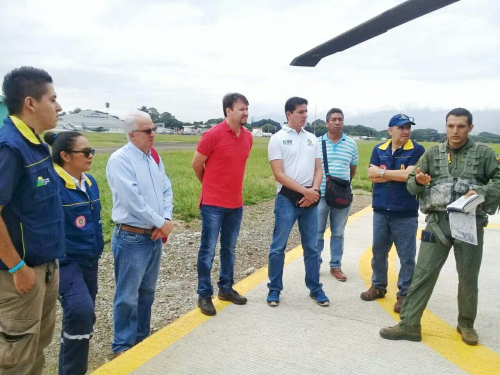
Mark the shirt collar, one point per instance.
(289, 129)
(226, 126)
(70, 181)
(407, 146)
(325, 137)
(137, 152)
(25, 130)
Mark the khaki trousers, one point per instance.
(26, 322)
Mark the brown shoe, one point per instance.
(372, 294)
(116, 355)
(399, 303)
(469, 335)
(338, 274)
(398, 333)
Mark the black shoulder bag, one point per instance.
(338, 192)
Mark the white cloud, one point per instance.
(182, 57)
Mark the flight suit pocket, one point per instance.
(18, 339)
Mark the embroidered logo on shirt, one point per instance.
(309, 142)
(42, 181)
(287, 142)
(80, 221)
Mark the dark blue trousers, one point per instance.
(77, 292)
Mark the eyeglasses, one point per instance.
(404, 117)
(147, 131)
(86, 152)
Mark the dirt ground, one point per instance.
(176, 287)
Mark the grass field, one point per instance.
(259, 183)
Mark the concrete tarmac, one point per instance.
(300, 337)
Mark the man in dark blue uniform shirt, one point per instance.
(31, 223)
(395, 210)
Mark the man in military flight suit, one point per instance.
(444, 173)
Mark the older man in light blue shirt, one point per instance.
(142, 211)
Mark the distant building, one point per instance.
(257, 132)
(195, 129)
(89, 120)
(188, 130)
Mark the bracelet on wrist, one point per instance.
(18, 267)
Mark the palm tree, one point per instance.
(107, 106)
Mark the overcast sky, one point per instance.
(182, 57)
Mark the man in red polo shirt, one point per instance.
(219, 163)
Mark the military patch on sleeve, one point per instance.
(449, 157)
(497, 158)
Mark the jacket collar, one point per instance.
(407, 146)
(468, 144)
(25, 131)
(69, 183)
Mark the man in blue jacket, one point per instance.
(31, 223)
(395, 210)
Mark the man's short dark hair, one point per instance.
(460, 112)
(332, 111)
(21, 83)
(229, 99)
(292, 103)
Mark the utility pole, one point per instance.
(314, 127)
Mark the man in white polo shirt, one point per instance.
(295, 158)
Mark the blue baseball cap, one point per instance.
(400, 120)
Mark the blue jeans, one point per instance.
(77, 291)
(137, 263)
(401, 231)
(285, 216)
(338, 221)
(215, 220)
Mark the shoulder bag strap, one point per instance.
(325, 158)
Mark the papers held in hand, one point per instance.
(463, 218)
(465, 204)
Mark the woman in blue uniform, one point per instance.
(72, 157)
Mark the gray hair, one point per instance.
(130, 122)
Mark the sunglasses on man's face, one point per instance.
(86, 152)
(147, 131)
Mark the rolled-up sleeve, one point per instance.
(168, 195)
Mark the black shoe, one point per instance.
(206, 306)
(233, 296)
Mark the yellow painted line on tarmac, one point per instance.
(493, 226)
(436, 333)
(161, 340)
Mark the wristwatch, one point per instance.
(382, 172)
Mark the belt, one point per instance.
(129, 228)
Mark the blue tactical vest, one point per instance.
(34, 216)
(393, 195)
(82, 217)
